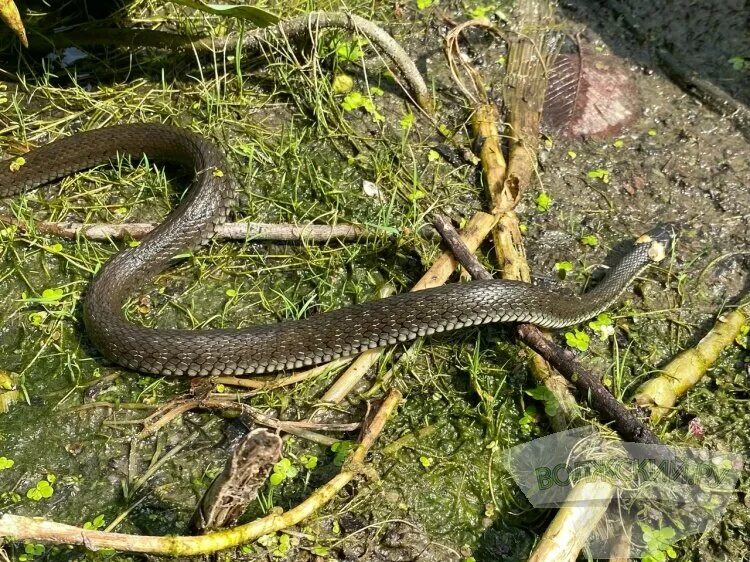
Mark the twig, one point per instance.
(574, 522)
(505, 183)
(27, 528)
(464, 256)
(302, 429)
(281, 232)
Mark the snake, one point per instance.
(284, 345)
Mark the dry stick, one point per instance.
(530, 53)
(9, 14)
(573, 523)
(660, 393)
(27, 528)
(229, 231)
(524, 95)
(565, 362)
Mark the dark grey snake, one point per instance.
(285, 345)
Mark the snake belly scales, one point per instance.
(285, 345)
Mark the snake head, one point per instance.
(660, 240)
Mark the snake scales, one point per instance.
(285, 345)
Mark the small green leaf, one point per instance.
(349, 51)
(530, 417)
(589, 240)
(277, 478)
(564, 266)
(444, 130)
(544, 394)
(572, 154)
(423, 4)
(353, 101)
(416, 195)
(603, 326)
(619, 143)
(599, 173)
(42, 490)
(356, 100)
(6, 463)
(426, 461)
(652, 132)
(97, 523)
(309, 461)
(45, 489)
(17, 163)
(54, 248)
(231, 293)
(481, 11)
(433, 156)
(577, 339)
(738, 63)
(342, 449)
(543, 202)
(742, 337)
(407, 121)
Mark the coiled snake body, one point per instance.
(285, 345)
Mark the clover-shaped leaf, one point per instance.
(577, 339)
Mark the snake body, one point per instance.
(285, 345)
